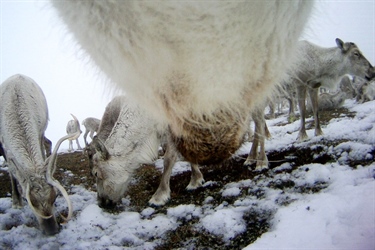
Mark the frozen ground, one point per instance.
(339, 214)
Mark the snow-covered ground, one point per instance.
(340, 216)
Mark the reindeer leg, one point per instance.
(79, 146)
(262, 162)
(251, 158)
(70, 146)
(292, 116)
(92, 134)
(85, 136)
(16, 196)
(253, 155)
(163, 193)
(313, 93)
(47, 146)
(272, 105)
(301, 96)
(196, 179)
(262, 131)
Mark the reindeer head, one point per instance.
(41, 197)
(111, 177)
(355, 61)
(40, 189)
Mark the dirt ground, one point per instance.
(73, 169)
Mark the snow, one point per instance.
(340, 216)
(227, 222)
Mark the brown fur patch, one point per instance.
(212, 140)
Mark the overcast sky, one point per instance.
(33, 42)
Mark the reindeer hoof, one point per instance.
(17, 206)
(194, 185)
(159, 200)
(319, 132)
(261, 167)
(248, 163)
(302, 137)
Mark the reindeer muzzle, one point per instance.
(50, 226)
(106, 203)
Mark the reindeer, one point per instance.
(23, 121)
(323, 67)
(127, 138)
(73, 128)
(198, 68)
(92, 125)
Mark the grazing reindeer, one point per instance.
(127, 138)
(199, 67)
(92, 125)
(23, 121)
(324, 67)
(73, 128)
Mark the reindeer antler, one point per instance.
(51, 167)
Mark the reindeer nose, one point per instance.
(106, 203)
(370, 73)
(50, 226)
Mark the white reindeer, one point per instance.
(73, 127)
(198, 67)
(323, 67)
(23, 121)
(134, 139)
(91, 126)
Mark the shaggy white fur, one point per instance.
(199, 67)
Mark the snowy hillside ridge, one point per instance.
(326, 204)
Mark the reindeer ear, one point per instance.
(340, 43)
(100, 148)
